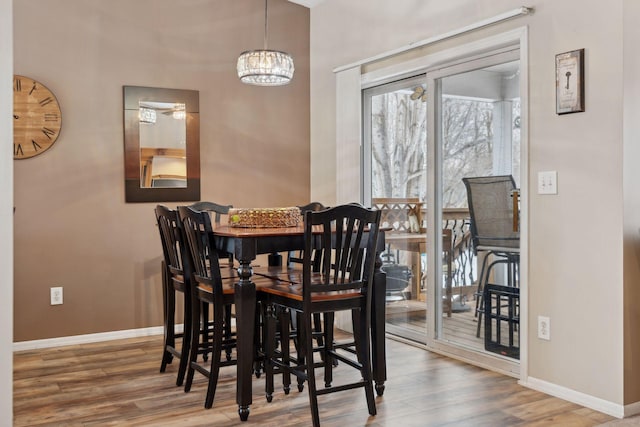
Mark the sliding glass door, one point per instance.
(476, 121)
(422, 135)
(395, 118)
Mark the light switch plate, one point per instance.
(548, 182)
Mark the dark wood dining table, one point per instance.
(246, 244)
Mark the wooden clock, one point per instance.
(36, 118)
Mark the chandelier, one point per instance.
(265, 67)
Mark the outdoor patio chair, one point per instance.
(492, 230)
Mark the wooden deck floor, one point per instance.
(118, 383)
(459, 328)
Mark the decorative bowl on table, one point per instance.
(264, 217)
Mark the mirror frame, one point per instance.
(134, 193)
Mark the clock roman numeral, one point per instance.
(33, 88)
(17, 151)
(45, 101)
(50, 117)
(48, 132)
(17, 85)
(36, 146)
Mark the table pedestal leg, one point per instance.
(378, 344)
(245, 300)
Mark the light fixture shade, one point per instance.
(147, 115)
(265, 67)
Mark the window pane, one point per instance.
(398, 143)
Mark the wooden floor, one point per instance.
(118, 383)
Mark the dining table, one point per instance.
(246, 244)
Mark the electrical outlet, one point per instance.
(56, 295)
(544, 328)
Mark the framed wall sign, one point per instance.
(570, 82)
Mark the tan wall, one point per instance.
(72, 226)
(575, 238)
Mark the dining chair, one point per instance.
(176, 278)
(345, 237)
(491, 215)
(277, 271)
(216, 211)
(209, 288)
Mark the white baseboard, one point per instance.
(90, 338)
(591, 402)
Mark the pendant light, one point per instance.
(265, 67)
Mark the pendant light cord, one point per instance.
(265, 23)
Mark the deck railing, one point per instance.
(408, 216)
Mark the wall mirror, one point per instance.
(161, 144)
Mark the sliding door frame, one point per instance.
(435, 340)
(431, 64)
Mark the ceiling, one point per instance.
(307, 3)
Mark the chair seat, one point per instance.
(288, 283)
(228, 284)
(227, 287)
(294, 292)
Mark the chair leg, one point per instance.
(186, 341)
(227, 329)
(169, 341)
(317, 329)
(305, 329)
(205, 329)
(300, 346)
(269, 348)
(168, 295)
(216, 354)
(258, 343)
(329, 361)
(196, 336)
(479, 293)
(285, 332)
(363, 349)
(480, 285)
(479, 311)
(480, 302)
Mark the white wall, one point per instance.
(575, 237)
(6, 215)
(631, 199)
